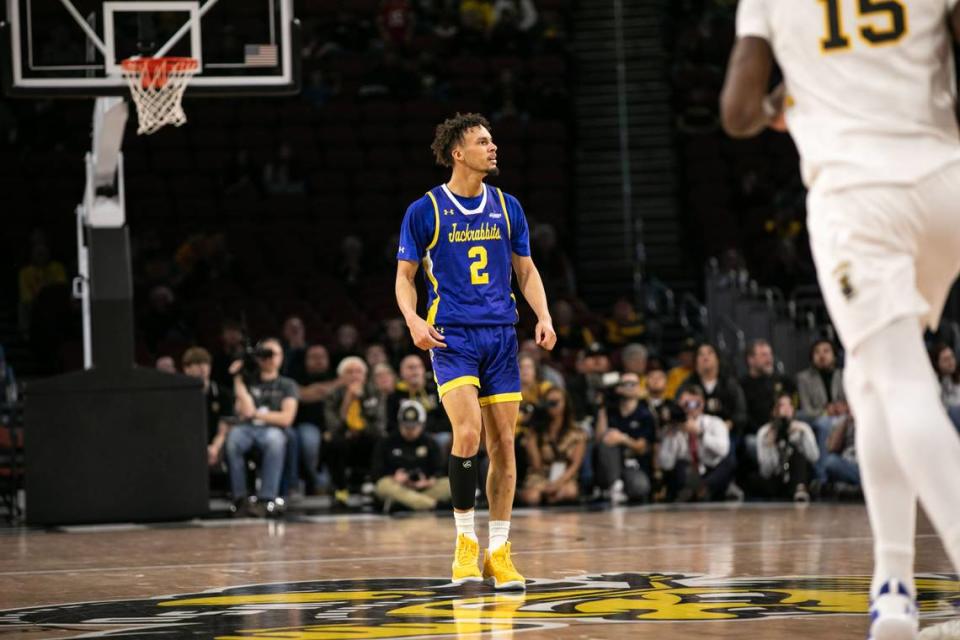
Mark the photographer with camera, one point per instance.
(787, 450)
(555, 448)
(408, 464)
(626, 433)
(695, 453)
(266, 406)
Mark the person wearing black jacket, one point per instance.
(722, 393)
(407, 464)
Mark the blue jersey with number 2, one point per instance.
(466, 246)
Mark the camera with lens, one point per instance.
(251, 356)
(536, 415)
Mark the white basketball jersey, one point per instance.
(870, 85)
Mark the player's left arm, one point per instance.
(531, 286)
(955, 21)
(746, 108)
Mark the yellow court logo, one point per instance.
(427, 607)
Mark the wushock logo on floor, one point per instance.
(418, 607)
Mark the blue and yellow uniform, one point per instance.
(466, 247)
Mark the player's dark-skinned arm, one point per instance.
(955, 23)
(531, 286)
(423, 335)
(746, 108)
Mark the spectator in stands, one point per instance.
(196, 362)
(375, 354)
(822, 401)
(396, 22)
(354, 420)
(166, 364)
(722, 393)
(542, 359)
(695, 453)
(384, 384)
(408, 464)
(625, 325)
(414, 384)
(533, 389)
(37, 275)
(586, 387)
(633, 359)
(945, 364)
(657, 400)
(294, 347)
(350, 267)
(686, 358)
(396, 339)
(761, 386)
(571, 335)
(314, 387)
(840, 461)
(347, 343)
(161, 320)
(283, 174)
(626, 433)
(787, 451)
(9, 390)
(266, 406)
(559, 279)
(232, 342)
(555, 451)
(241, 176)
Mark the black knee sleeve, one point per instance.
(463, 482)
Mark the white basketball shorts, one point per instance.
(884, 252)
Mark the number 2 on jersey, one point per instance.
(479, 255)
(891, 11)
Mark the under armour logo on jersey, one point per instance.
(467, 464)
(448, 212)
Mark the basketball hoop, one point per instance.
(157, 86)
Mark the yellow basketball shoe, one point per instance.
(465, 561)
(499, 571)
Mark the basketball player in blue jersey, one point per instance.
(471, 238)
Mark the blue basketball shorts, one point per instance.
(485, 357)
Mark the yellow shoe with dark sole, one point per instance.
(498, 570)
(466, 561)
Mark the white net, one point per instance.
(157, 86)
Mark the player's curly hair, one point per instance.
(450, 133)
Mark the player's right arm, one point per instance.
(416, 237)
(423, 335)
(746, 107)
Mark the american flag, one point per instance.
(260, 55)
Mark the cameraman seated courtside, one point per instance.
(695, 454)
(555, 446)
(266, 405)
(786, 450)
(408, 464)
(626, 433)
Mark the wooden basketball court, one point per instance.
(763, 571)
